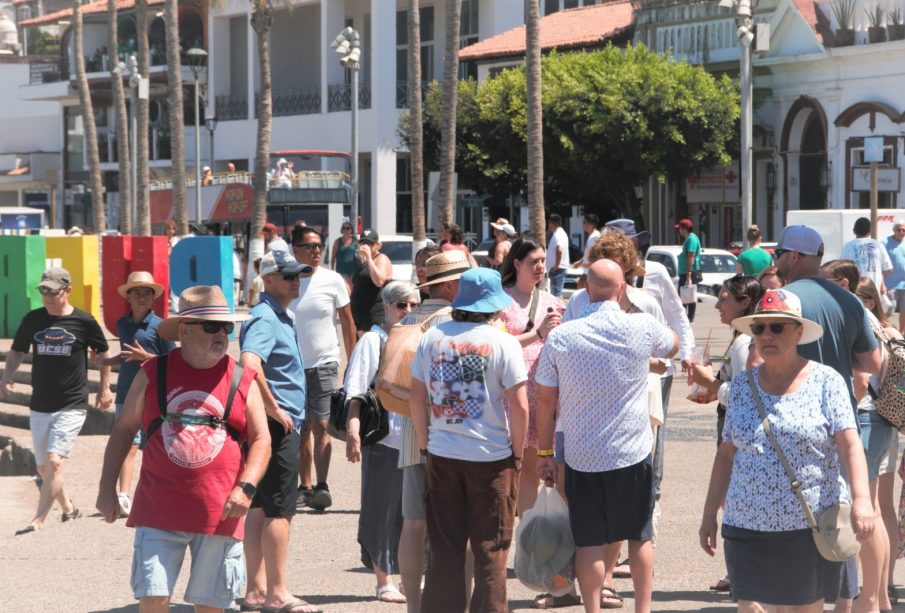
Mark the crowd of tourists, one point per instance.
(509, 390)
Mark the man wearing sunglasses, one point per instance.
(895, 280)
(270, 348)
(61, 335)
(322, 299)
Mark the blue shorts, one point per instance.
(137, 439)
(876, 435)
(217, 575)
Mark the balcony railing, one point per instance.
(46, 71)
(402, 93)
(231, 107)
(296, 101)
(339, 97)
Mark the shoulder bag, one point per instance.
(374, 423)
(832, 531)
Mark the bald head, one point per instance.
(605, 281)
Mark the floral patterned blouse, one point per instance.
(804, 422)
(515, 318)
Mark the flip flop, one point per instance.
(549, 601)
(609, 599)
(622, 570)
(26, 530)
(296, 606)
(390, 593)
(722, 585)
(244, 606)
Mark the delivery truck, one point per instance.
(835, 225)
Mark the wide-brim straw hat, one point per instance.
(140, 278)
(445, 266)
(199, 303)
(780, 304)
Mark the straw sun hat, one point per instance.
(445, 266)
(140, 278)
(780, 304)
(199, 303)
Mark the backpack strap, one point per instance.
(238, 371)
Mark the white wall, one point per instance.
(26, 126)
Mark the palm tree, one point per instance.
(177, 123)
(122, 121)
(535, 121)
(261, 20)
(448, 135)
(94, 159)
(416, 129)
(142, 146)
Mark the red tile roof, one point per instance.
(579, 27)
(96, 7)
(815, 18)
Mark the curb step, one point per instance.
(17, 458)
(16, 416)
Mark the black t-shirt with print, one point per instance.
(59, 372)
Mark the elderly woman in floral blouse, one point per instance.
(769, 549)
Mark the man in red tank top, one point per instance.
(195, 486)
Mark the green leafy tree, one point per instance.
(611, 119)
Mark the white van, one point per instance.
(835, 226)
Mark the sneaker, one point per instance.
(125, 504)
(321, 498)
(303, 499)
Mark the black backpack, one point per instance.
(206, 420)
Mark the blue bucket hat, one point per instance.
(481, 291)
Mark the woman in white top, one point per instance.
(737, 298)
(380, 520)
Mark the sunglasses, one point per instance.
(776, 329)
(46, 291)
(212, 327)
(777, 253)
(309, 246)
(403, 305)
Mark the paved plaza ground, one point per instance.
(84, 566)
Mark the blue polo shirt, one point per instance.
(144, 333)
(270, 335)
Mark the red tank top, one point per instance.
(187, 471)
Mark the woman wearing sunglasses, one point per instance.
(380, 521)
(342, 255)
(768, 544)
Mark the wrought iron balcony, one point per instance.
(339, 97)
(292, 102)
(47, 71)
(402, 93)
(232, 107)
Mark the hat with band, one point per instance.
(140, 278)
(445, 266)
(780, 304)
(199, 303)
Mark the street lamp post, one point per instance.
(134, 81)
(197, 61)
(211, 122)
(348, 45)
(745, 33)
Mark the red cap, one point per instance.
(684, 223)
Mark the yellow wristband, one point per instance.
(545, 453)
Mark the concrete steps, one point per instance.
(23, 378)
(16, 454)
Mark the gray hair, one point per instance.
(398, 291)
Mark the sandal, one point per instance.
(622, 570)
(893, 595)
(609, 599)
(390, 593)
(549, 601)
(74, 514)
(722, 585)
(296, 606)
(26, 530)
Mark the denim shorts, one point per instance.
(217, 575)
(876, 436)
(55, 432)
(137, 439)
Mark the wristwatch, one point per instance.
(247, 488)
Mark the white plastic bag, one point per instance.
(544, 548)
(688, 293)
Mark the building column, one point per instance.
(252, 58)
(384, 115)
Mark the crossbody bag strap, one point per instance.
(796, 486)
(443, 311)
(532, 310)
(238, 371)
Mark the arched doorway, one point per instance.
(811, 166)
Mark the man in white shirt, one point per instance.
(323, 297)
(557, 254)
(606, 427)
(869, 254)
